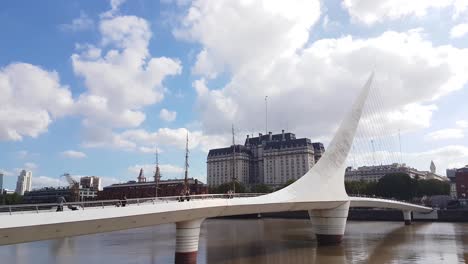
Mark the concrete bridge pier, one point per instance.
(407, 217)
(329, 224)
(187, 237)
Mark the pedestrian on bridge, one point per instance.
(60, 201)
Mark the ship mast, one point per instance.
(186, 184)
(233, 161)
(157, 174)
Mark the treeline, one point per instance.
(398, 185)
(9, 199)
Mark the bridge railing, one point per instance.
(51, 207)
(386, 198)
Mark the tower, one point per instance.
(141, 177)
(433, 167)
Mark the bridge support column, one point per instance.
(329, 224)
(187, 236)
(407, 217)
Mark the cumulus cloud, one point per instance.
(443, 134)
(309, 85)
(45, 181)
(167, 137)
(167, 115)
(452, 156)
(459, 30)
(30, 166)
(462, 123)
(145, 141)
(31, 98)
(81, 23)
(372, 11)
(121, 77)
(73, 154)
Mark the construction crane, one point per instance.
(73, 185)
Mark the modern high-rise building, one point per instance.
(91, 182)
(24, 183)
(266, 159)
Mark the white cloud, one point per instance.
(462, 123)
(73, 154)
(459, 30)
(83, 22)
(452, 156)
(167, 137)
(443, 134)
(372, 11)
(30, 166)
(31, 99)
(6, 173)
(45, 181)
(121, 77)
(309, 86)
(167, 115)
(115, 6)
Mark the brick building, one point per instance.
(134, 189)
(461, 180)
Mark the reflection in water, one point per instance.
(257, 241)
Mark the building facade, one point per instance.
(375, 173)
(90, 182)
(24, 183)
(462, 182)
(266, 159)
(50, 195)
(135, 189)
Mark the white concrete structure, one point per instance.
(320, 191)
(24, 183)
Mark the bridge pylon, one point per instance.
(187, 237)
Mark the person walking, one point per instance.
(60, 201)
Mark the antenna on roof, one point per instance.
(186, 165)
(233, 161)
(266, 115)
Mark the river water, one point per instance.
(256, 241)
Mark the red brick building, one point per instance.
(148, 189)
(461, 180)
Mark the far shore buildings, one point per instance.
(24, 183)
(375, 173)
(270, 159)
(461, 180)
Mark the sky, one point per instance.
(94, 87)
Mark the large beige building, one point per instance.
(266, 159)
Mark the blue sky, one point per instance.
(91, 87)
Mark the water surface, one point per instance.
(257, 241)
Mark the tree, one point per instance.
(432, 187)
(14, 198)
(225, 187)
(261, 188)
(397, 185)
